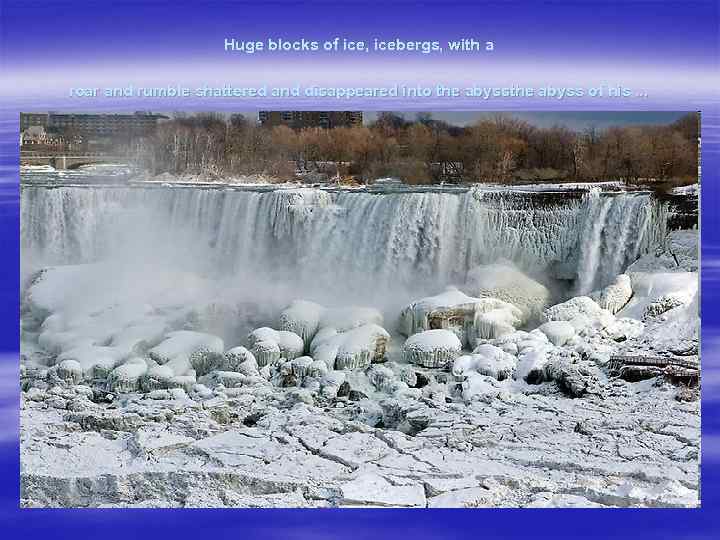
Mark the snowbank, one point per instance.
(656, 293)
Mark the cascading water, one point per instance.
(341, 239)
(616, 230)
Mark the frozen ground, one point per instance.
(197, 346)
(139, 399)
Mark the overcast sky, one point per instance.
(572, 119)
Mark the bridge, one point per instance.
(69, 160)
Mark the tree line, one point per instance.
(424, 150)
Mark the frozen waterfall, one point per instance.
(355, 239)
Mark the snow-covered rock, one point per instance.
(480, 387)
(307, 318)
(582, 312)
(184, 346)
(126, 378)
(163, 377)
(139, 337)
(302, 318)
(354, 349)
(558, 332)
(241, 360)
(533, 351)
(657, 292)
(300, 366)
(497, 322)
(505, 282)
(372, 489)
(487, 360)
(269, 346)
(462, 314)
(452, 310)
(70, 371)
(615, 296)
(432, 348)
(96, 362)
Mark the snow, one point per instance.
(581, 312)
(307, 318)
(353, 349)
(374, 490)
(615, 296)
(654, 293)
(301, 366)
(139, 337)
(241, 360)
(505, 282)
(70, 370)
(558, 332)
(432, 348)
(94, 361)
(269, 346)
(486, 360)
(303, 318)
(463, 314)
(180, 346)
(126, 378)
(678, 253)
(479, 387)
(693, 189)
(497, 323)
(322, 407)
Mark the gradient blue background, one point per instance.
(667, 48)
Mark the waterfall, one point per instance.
(616, 230)
(341, 238)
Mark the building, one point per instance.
(93, 125)
(308, 119)
(36, 137)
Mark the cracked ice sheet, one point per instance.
(640, 449)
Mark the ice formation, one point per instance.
(486, 360)
(185, 350)
(499, 321)
(469, 318)
(157, 379)
(658, 292)
(302, 318)
(505, 282)
(307, 318)
(433, 236)
(581, 312)
(558, 332)
(615, 296)
(432, 348)
(352, 349)
(270, 346)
